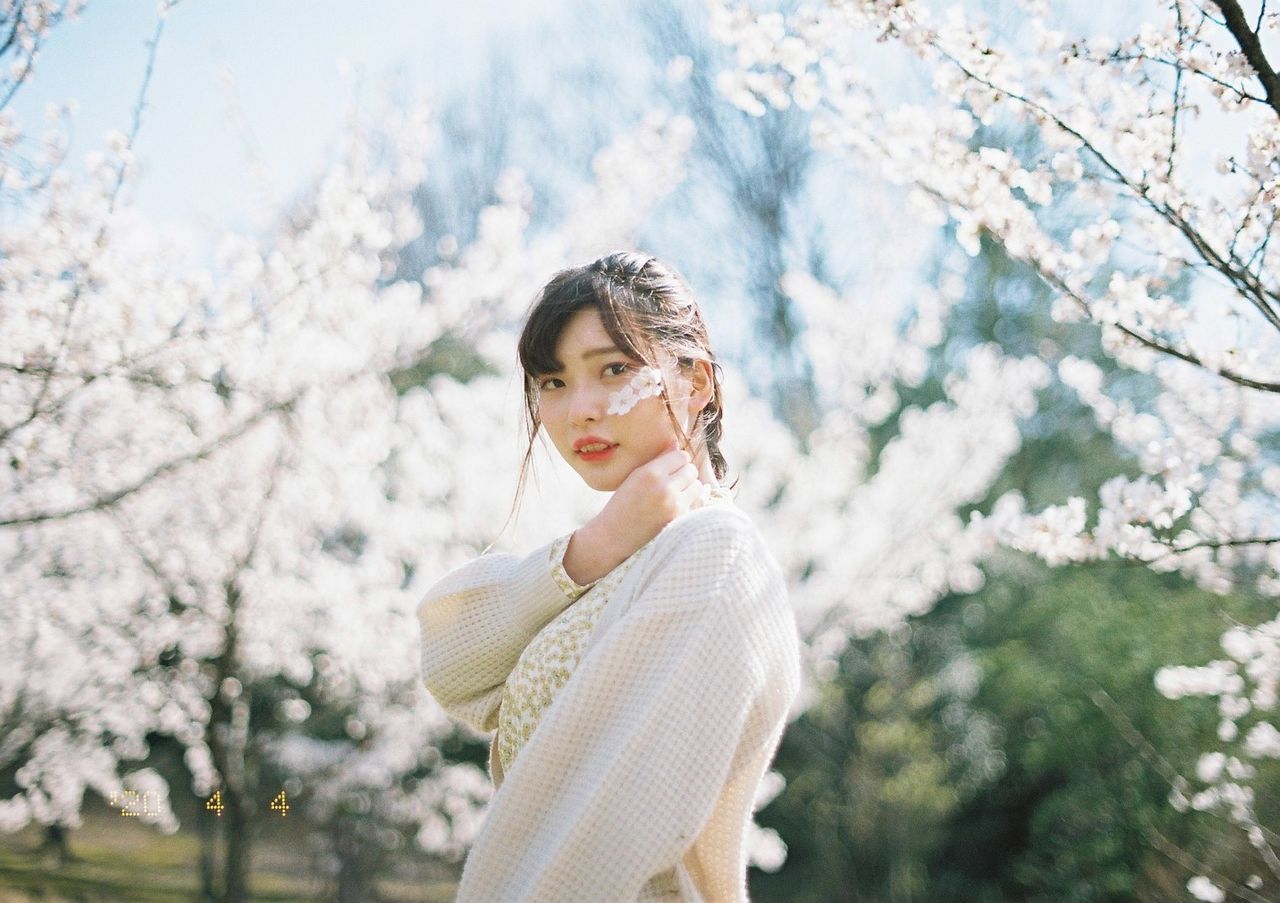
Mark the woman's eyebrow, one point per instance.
(594, 352)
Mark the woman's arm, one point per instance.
(476, 620)
(672, 717)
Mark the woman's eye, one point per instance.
(546, 383)
(617, 369)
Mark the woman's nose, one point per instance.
(586, 405)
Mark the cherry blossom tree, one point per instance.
(1143, 193)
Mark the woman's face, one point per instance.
(573, 404)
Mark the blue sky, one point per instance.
(282, 59)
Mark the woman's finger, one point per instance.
(690, 494)
(673, 461)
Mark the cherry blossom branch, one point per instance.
(1258, 840)
(20, 77)
(273, 484)
(1195, 867)
(152, 565)
(1182, 67)
(13, 32)
(73, 302)
(1247, 38)
(1177, 101)
(140, 104)
(1249, 285)
(1208, 17)
(139, 377)
(1258, 195)
(111, 498)
(48, 371)
(1134, 737)
(1129, 731)
(1162, 347)
(1058, 283)
(1210, 544)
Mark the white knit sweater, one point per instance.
(649, 758)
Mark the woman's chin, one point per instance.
(599, 479)
(601, 483)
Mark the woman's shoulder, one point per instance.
(712, 537)
(713, 565)
(723, 521)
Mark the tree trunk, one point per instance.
(229, 748)
(55, 844)
(208, 842)
(355, 874)
(236, 831)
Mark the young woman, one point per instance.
(638, 671)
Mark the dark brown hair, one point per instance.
(647, 308)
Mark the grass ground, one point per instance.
(120, 860)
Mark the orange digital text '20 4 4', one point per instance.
(134, 804)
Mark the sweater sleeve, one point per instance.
(671, 718)
(476, 620)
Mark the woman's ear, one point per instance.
(702, 385)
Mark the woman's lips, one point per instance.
(596, 455)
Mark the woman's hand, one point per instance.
(652, 496)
